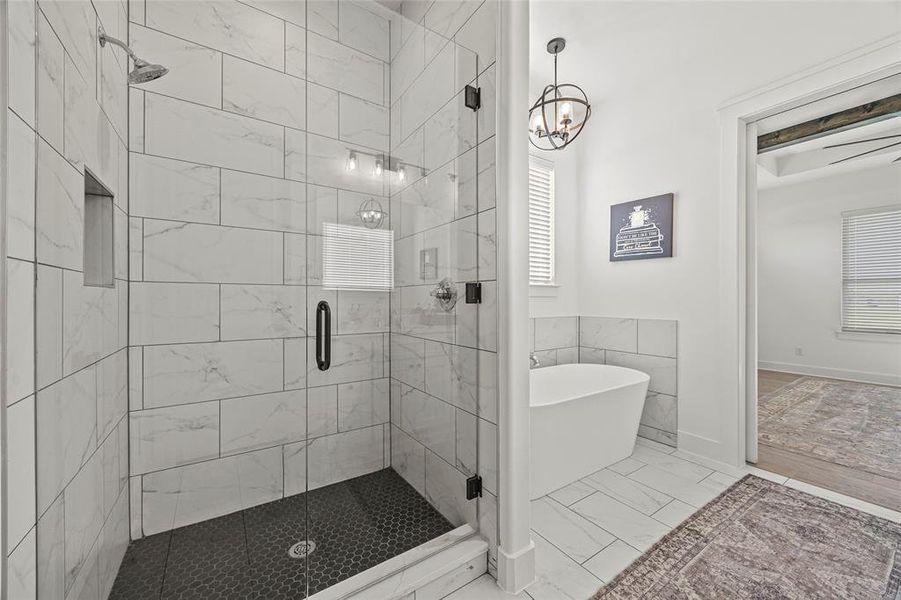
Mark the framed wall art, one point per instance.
(642, 229)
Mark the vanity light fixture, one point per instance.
(557, 117)
(380, 163)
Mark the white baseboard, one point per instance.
(516, 572)
(716, 465)
(700, 446)
(845, 374)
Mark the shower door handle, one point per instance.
(323, 335)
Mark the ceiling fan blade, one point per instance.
(865, 153)
(875, 139)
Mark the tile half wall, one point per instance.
(648, 345)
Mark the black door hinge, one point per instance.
(473, 97)
(473, 292)
(473, 487)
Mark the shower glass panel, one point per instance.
(391, 174)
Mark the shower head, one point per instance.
(143, 70)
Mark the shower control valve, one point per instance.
(445, 293)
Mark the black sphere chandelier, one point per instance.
(560, 113)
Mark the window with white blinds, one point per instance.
(871, 271)
(357, 258)
(541, 222)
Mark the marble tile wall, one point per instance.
(555, 340)
(649, 345)
(444, 362)
(237, 158)
(67, 366)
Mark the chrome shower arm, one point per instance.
(143, 71)
(104, 39)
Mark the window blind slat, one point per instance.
(871, 271)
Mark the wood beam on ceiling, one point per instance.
(851, 117)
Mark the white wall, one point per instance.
(656, 74)
(563, 299)
(799, 276)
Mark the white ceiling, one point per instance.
(813, 159)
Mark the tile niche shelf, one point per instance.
(98, 233)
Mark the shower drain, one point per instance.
(302, 549)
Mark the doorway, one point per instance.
(825, 275)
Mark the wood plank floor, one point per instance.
(770, 381)
(838, 478)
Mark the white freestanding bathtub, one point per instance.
(584, 418)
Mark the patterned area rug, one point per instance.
(857, 425)
(761, 540)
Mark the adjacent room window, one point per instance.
(871, 271)
(541, 222)
(357, 258)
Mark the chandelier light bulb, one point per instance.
(401, 173)
(352, 162)
(378, 168)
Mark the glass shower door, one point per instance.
(393, 351)
(217, 303)
(355, 501)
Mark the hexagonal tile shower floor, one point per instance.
(355, 524)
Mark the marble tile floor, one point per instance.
(590, 530)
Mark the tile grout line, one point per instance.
(579, 515)
(224, 53)
(574, 561)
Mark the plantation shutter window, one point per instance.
(541, 222)
(871, 271)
